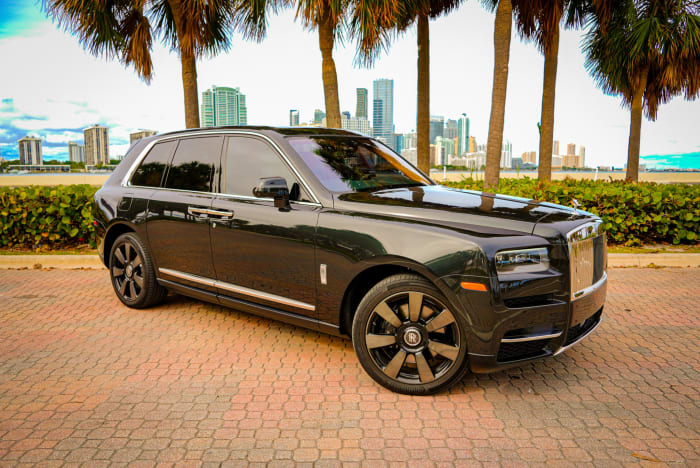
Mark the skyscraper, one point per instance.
(76, 152)
(472, 145)
(383, 111)
(140, 134)
(30, 150)
(293, 118)
(361, 109)
(223, 106)
(437, 127)
(319, 115)
(451, 129)
(463, 135)
(507, 154)
(555, 147)
(96, 145)
(571, 149)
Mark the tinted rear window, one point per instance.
(150, 172)
(194, 164)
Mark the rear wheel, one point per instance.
(406, 337)
(132, 273)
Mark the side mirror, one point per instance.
(275, 188)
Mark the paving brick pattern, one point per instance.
(87, 381)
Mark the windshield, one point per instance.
(356, 164)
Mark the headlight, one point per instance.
(522, 261)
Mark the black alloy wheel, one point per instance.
(131, 270)
(407, 338)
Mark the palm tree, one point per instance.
(539, 21)
(124, 29)
(501, 53)
(392, 16)
(329, 17)
(648, 52)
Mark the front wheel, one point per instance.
(406, 337)
(132, 273)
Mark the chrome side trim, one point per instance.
(207, 211)
(144, 152)
(584, 292)
(532, 338)
(238, 289)
(580, 338)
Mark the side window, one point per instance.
(248, 160)
(150, 172)
(194, 164)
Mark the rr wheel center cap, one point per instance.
(412, 336)
(129, 271)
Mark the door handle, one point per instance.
(206, 211)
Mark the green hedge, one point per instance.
(35, 216)
(634, 214)
(61, 216)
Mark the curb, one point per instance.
(70, 262)
(654, 260)
(61, 262)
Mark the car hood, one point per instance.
(480, 213)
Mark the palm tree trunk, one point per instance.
(636, 129)
(501, 55)
(423, 114)
(551, 56)
(189, 68)
(326, 39)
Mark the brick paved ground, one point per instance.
(85, 380)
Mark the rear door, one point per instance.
(264, 254)
(179, 213)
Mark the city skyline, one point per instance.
(69, 103)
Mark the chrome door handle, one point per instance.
(197, 211)
(206, 211)
(223, 214)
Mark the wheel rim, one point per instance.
(413, 338)
(127, 271)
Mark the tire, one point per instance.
(132, 273)
(396, 340)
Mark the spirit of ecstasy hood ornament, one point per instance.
(576, 205)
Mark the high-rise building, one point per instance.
(30, 151)
(529, 157)
(451, 129)
(355, 124)
(472, 145)
(96, 145)
(361, 108)
(345, 114)
(555, 147)
(76, 152)
(140, 134)
(410, 140)
(582, 156)
(319, 115)
(383, 111)
(507, 154)
(398, 142)
(223, 106)
(437, 127)
(463, 135)
(293, 118)
(571, 149)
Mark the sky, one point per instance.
(52, 88)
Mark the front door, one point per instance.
(264, 254)
(179, 219)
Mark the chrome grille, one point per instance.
(588, 257)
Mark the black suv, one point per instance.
(331, 230)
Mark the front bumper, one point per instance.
(583, 316)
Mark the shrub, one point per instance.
(58, 216)
(61, 216)
(633, 213)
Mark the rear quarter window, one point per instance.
(150, 172)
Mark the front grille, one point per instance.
(587, 256)
(523, 350)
